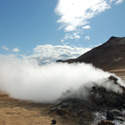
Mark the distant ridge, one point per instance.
(108, 56)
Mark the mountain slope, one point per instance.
(108, 56)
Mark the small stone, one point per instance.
(113, 78)
(53, 122)
(109, 115)
(116, 112)
(120, 118)
(105, 122)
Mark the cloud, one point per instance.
(50, 53)
(87, 27)
(87, 38)
(71, 36)
(10, 50)
(77, 13)
(116, 1)
(119, 1)
(15, 50)
(5, 48)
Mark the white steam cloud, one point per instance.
(26, 80)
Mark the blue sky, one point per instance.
(29, 27)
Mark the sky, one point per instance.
(48, 30)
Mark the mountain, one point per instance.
(108, 56)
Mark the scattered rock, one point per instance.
(116, 112)
(53, 122)
(101, 97)
(109, 115)
(120, 118)
(99, 100)
(105, 122)
(113, 78)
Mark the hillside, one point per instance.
(108, 56)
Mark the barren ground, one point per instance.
(16, 112)
(119, 72)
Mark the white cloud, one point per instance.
(76, 36)
(76, 13)
(10, 50)
(50, 53)
(87, 38)
(119, 1)
(87, 27)
(70, 36)
(62, 40)
(15, 50)
(5, 48)
(116, 1)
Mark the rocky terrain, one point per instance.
(101, 107)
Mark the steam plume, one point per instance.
(26, 80)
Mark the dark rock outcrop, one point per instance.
(99, 100)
